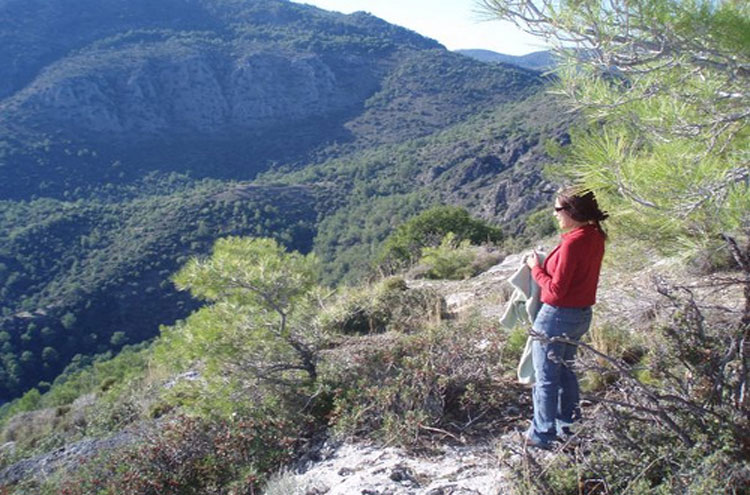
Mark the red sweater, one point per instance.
(570, 274)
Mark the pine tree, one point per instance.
(259, 325)
(664, 88)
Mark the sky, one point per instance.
(456, 24)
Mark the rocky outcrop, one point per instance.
(65, 457)
(372, 470)
(140, 91)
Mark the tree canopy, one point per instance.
(259, 324)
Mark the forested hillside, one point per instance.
(89, 276)
(490, 164)
(131, 130)
(165, 85)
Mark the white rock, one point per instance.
(369, 470)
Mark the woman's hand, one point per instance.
(532, 260)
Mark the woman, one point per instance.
(568, 280)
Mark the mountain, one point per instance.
(304, 375)
(91, 79)
(135, 133)
(91, 84)
(542, 60)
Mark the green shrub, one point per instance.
(515, 344)
(399, 387)
(404, 246)
(449, 260)
(387, 305)
(455, 260)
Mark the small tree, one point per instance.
(260, 319)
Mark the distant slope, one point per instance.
(489, 163)
(542, 60)
(40, 34)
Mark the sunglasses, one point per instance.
(560, 208)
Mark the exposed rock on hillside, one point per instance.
(241, 85)
(138, 91)
(370, 470)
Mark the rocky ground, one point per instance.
(349, 469)
(42, 466)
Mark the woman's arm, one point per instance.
(557, 284)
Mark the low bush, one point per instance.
(613, 340)
(282, 483)
(400, 388)
(388, 305)
(712, 258)
(187, 456)
(456, 260)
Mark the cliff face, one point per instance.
(132, 93)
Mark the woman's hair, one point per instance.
(582, 206)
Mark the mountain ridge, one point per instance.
(539, 61)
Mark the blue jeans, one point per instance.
(556, 392)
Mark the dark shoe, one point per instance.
(530, 442)
(565, 429)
